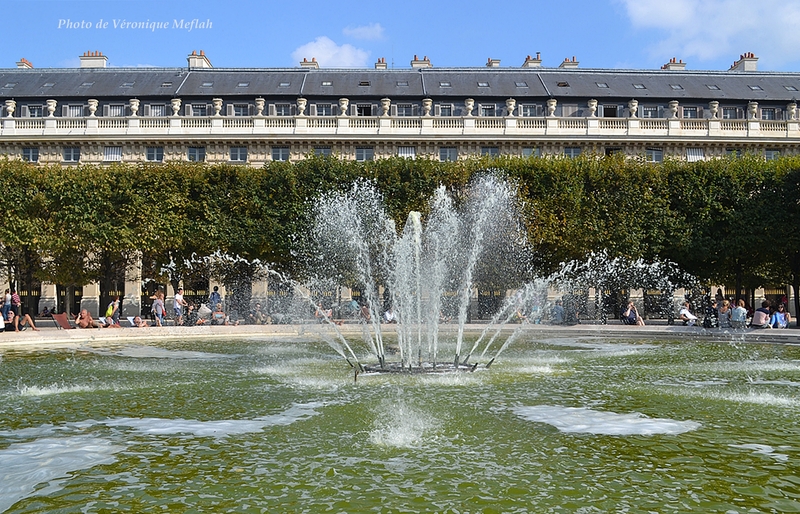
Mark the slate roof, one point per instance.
(456, 83)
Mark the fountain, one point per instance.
(429, 268)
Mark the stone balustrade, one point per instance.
(384, 125)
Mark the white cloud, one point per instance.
(371, 31)
(714, 29)
(329, 54)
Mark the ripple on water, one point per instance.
(25, 465)
(401, 425)
(583, 420)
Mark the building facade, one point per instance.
(96, 114)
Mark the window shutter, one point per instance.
(293, 109)
(105, 110)
(312, 110)
(700, 113)
(147, 109)
(229, 109)
(739, 113)
(600, 111)
(251, 109)
(272, 109)
(64, 111)
(393, 110)
(187, 111)
(25, 112)
(437, 110)
(778, 113)
(353, 110)
(660, 111)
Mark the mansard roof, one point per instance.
(459, 83)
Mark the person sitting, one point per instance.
(761, 316)
(323, 314)
(138, 322)
(630, 316)
(256, 316)
(557, 314)
(389, 316)
(780, 318)
(365, 314)
(686, 315)
(218, 317)
(45, 312)
(739, 315)
(19, 322)
(84, 320)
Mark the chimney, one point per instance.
(381, 64)
(747, 62)
(421, 63)
(674, 64)
(569, 64)
(531, 62)
(493, 63)
(94, 59)
(24, 64)
(312, 64)
(198, 60)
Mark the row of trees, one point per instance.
(730, 221)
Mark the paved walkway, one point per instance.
(49, 336)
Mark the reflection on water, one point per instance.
(558, 425)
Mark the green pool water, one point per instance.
(557, 425)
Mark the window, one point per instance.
(602, 85)
(85, 84)
(446, 110)
(527, 110)
(157, 110)
(127, 85)
(654, 155)
(72, 153)
(772, 154)
(695, 154)
(612, 150)
(238, 154)
(35, 111)
(690, 112)
(563, 84)
(327, 83)
(166, 84)
(207, 84)
(74, 111)
(483, 84)
(112, 154)
(364, 153)
(196, 153)
(712, 87)
(364, 83)
(283, 109)
(768, 113)
(30, 153)
(572, 151)
(676, 87)
(405, 110)
(610, 111)
(324, 109)
(155, 154)
(409, 152)
(734, 152)
(521, 84)
(244, 84)
(280, 153)
(756, 88)
(322, 151)
(639, 86)
(285, 84)
(531, 151)
(448, 153)
(729, 113)
(48, 84)
(402, 83)
(448, 84)
(649, 111)
(199, 110)
(241, 109)
(490, 151)
(116, 110)
(364, 110)
(790, 88)
(488, 110)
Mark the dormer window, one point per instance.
(602, 85)
(207, 84)
(521, 84)
(676, 87)
(87, 84)
(127, 84)
(447, 84)
(49, 84)
(756, 88)
(483, 84)
(166, 84)
(327, 83)
(790, 88)
(712, 87)
(10, 85)
(563, 84)
(285, 84)
(364, 83)
(402, 83)
(243, 84)
(639, 86)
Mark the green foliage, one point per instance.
(723, 220)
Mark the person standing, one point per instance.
(6, 303)
(214, 298)
(158, 308)
(178, 306)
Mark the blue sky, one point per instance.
(640, 34)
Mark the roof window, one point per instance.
(790, 88)
(483, 84)
(243, 84)
(563, 84)
(327, 83)
(639, 86)
(9, 85)
(676, 87)
(207, 84)
(521, 84)
(166, 84)
(756, 88)
(712, 87)
(49, 84)
(602, 85)
(364, 83)
(447, 84)
(87, 84)
(284, 84)
(403, 83)
(127, 84)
